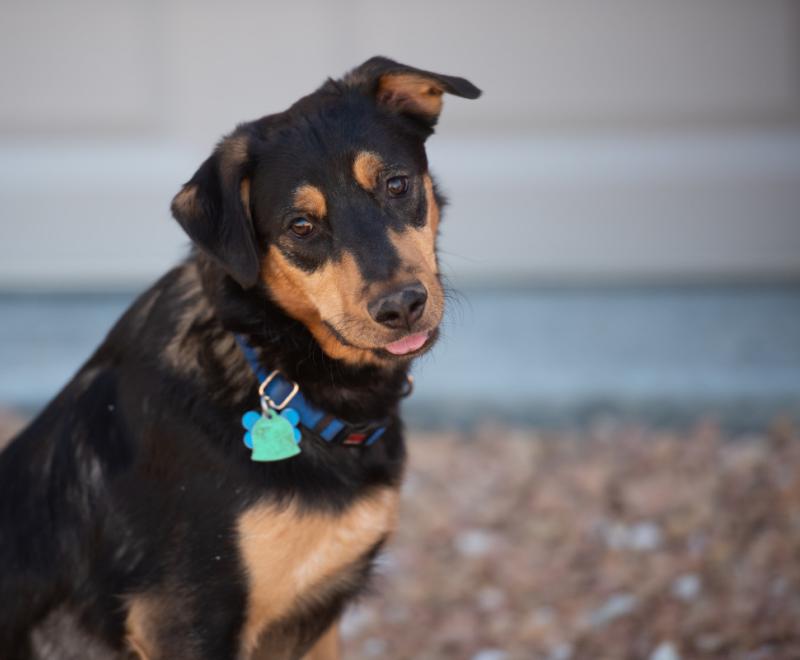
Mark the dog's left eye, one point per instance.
(397, 185)
(302, 227)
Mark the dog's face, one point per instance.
(330, 207)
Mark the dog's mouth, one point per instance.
(407, 347)
(411, 345)
(408, 344)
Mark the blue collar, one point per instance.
(283, 391)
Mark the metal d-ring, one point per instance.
(268, 401)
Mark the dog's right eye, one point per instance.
(302, 227)
(397, 185)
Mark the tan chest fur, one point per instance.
(289, 553)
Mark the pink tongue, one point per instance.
(408, 344)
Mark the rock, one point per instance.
(665, 651)
(491, 598)
(355, 620)
(475, 543)
(686, 587)
(490, 654)
(615, 607)
(560, 652)
(374, 648)
(641, 537)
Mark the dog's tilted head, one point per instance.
(330, 208)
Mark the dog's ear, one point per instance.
(214, 210)
(407, 90)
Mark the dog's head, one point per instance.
(330, 207)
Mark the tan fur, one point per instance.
(290, 554)
(234, 152)
(142, 613)
(418, 246)
(433, 208)
(409, 91)
(327, 647)
(337, 294)
(329, 293)
(366, 168)
(244, 194)
(309, 199)
(185, 202)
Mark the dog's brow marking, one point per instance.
(311, 200)
(366, 167)
(296, 551)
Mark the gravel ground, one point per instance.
(618, 542)
(615, 542)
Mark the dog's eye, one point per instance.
(397, 185)
(302, 227)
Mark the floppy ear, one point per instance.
(407, 90)
(213, 209)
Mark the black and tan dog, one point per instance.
(131, 501)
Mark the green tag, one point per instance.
(273, 439)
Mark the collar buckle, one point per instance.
(269, 401)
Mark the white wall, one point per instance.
(616, 138)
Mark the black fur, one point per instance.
(132, 478)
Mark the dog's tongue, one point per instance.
(407, 344)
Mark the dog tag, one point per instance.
(272, 436)
(273, 439)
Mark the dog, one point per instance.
(217, 479)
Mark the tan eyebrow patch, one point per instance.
(311, 200)
(366, 167)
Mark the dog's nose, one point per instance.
(401, 308)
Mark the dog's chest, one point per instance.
(291, 554)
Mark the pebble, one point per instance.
(642, 537)
(490, 654)
(542, 617)
(616, 606)
(374, 648)
(355, 620)
(665, 651)
(491, 598)
(474, 543)
(686, 587)
(560, 652)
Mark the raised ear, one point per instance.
(407, 90)
(214, 210)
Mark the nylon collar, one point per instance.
(285, 392)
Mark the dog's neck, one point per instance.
(355, 392)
